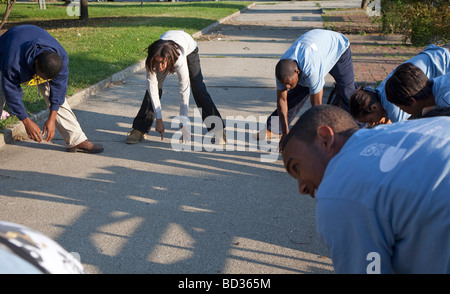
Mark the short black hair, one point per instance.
(305, 129)
(285, 68)
(408, 81)
(49, 63)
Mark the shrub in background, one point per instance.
(421, 21)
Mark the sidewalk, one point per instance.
(147, 208)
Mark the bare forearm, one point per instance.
(282, 109)
(316, 99)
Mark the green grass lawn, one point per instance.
(114, 37)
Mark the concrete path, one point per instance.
(148, 208)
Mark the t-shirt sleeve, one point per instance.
(441, 90)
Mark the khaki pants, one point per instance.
(66, 121)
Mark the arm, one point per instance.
(282, 109)
(316, 99)
(58, 88)
(49, 126)
(154, 82)
(57, 97)
(13, 96)
(13, 92)
(32, 129)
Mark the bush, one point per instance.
(420, 21)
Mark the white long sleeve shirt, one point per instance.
(156, 80)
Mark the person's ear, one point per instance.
(374, 107)
(326, 137)
(413, 101)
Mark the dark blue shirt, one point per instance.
(19, 47)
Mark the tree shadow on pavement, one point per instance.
(147, 208)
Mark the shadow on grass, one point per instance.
(187, 23)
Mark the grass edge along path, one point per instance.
(113, 38)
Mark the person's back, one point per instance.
(387, 194)
(26, 41)
(19, 48)
(441, 90)
(29, 56)
(316, 52)
(434, 61)
(183, 39)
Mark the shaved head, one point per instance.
(285, 69)
(305, 129)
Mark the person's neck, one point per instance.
(428, 102)
(344, 136)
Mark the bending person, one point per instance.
(371, 106)
(301, 72)
(29, 55)
(375, 210)
(175, 52)
(411, 90)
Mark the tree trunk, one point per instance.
(364, 4)
(84, 9)
(9, 7)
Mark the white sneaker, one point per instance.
(218, 137)
(264, 134)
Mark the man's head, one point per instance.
(286, 72)
(408, 88)
(48, 65)
(366, 107)
(315, 139)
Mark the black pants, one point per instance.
(145, 117)
(343, 74)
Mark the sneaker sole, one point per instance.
(133, 142)
(73, 150)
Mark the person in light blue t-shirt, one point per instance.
(371, 106)
(441, 91)
(411, 90)
(378, 209)
(301, 71)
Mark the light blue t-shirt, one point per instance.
(434, 61)
(441, 90)
(316, 52)
(387, 194)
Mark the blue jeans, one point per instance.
(343, 74)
